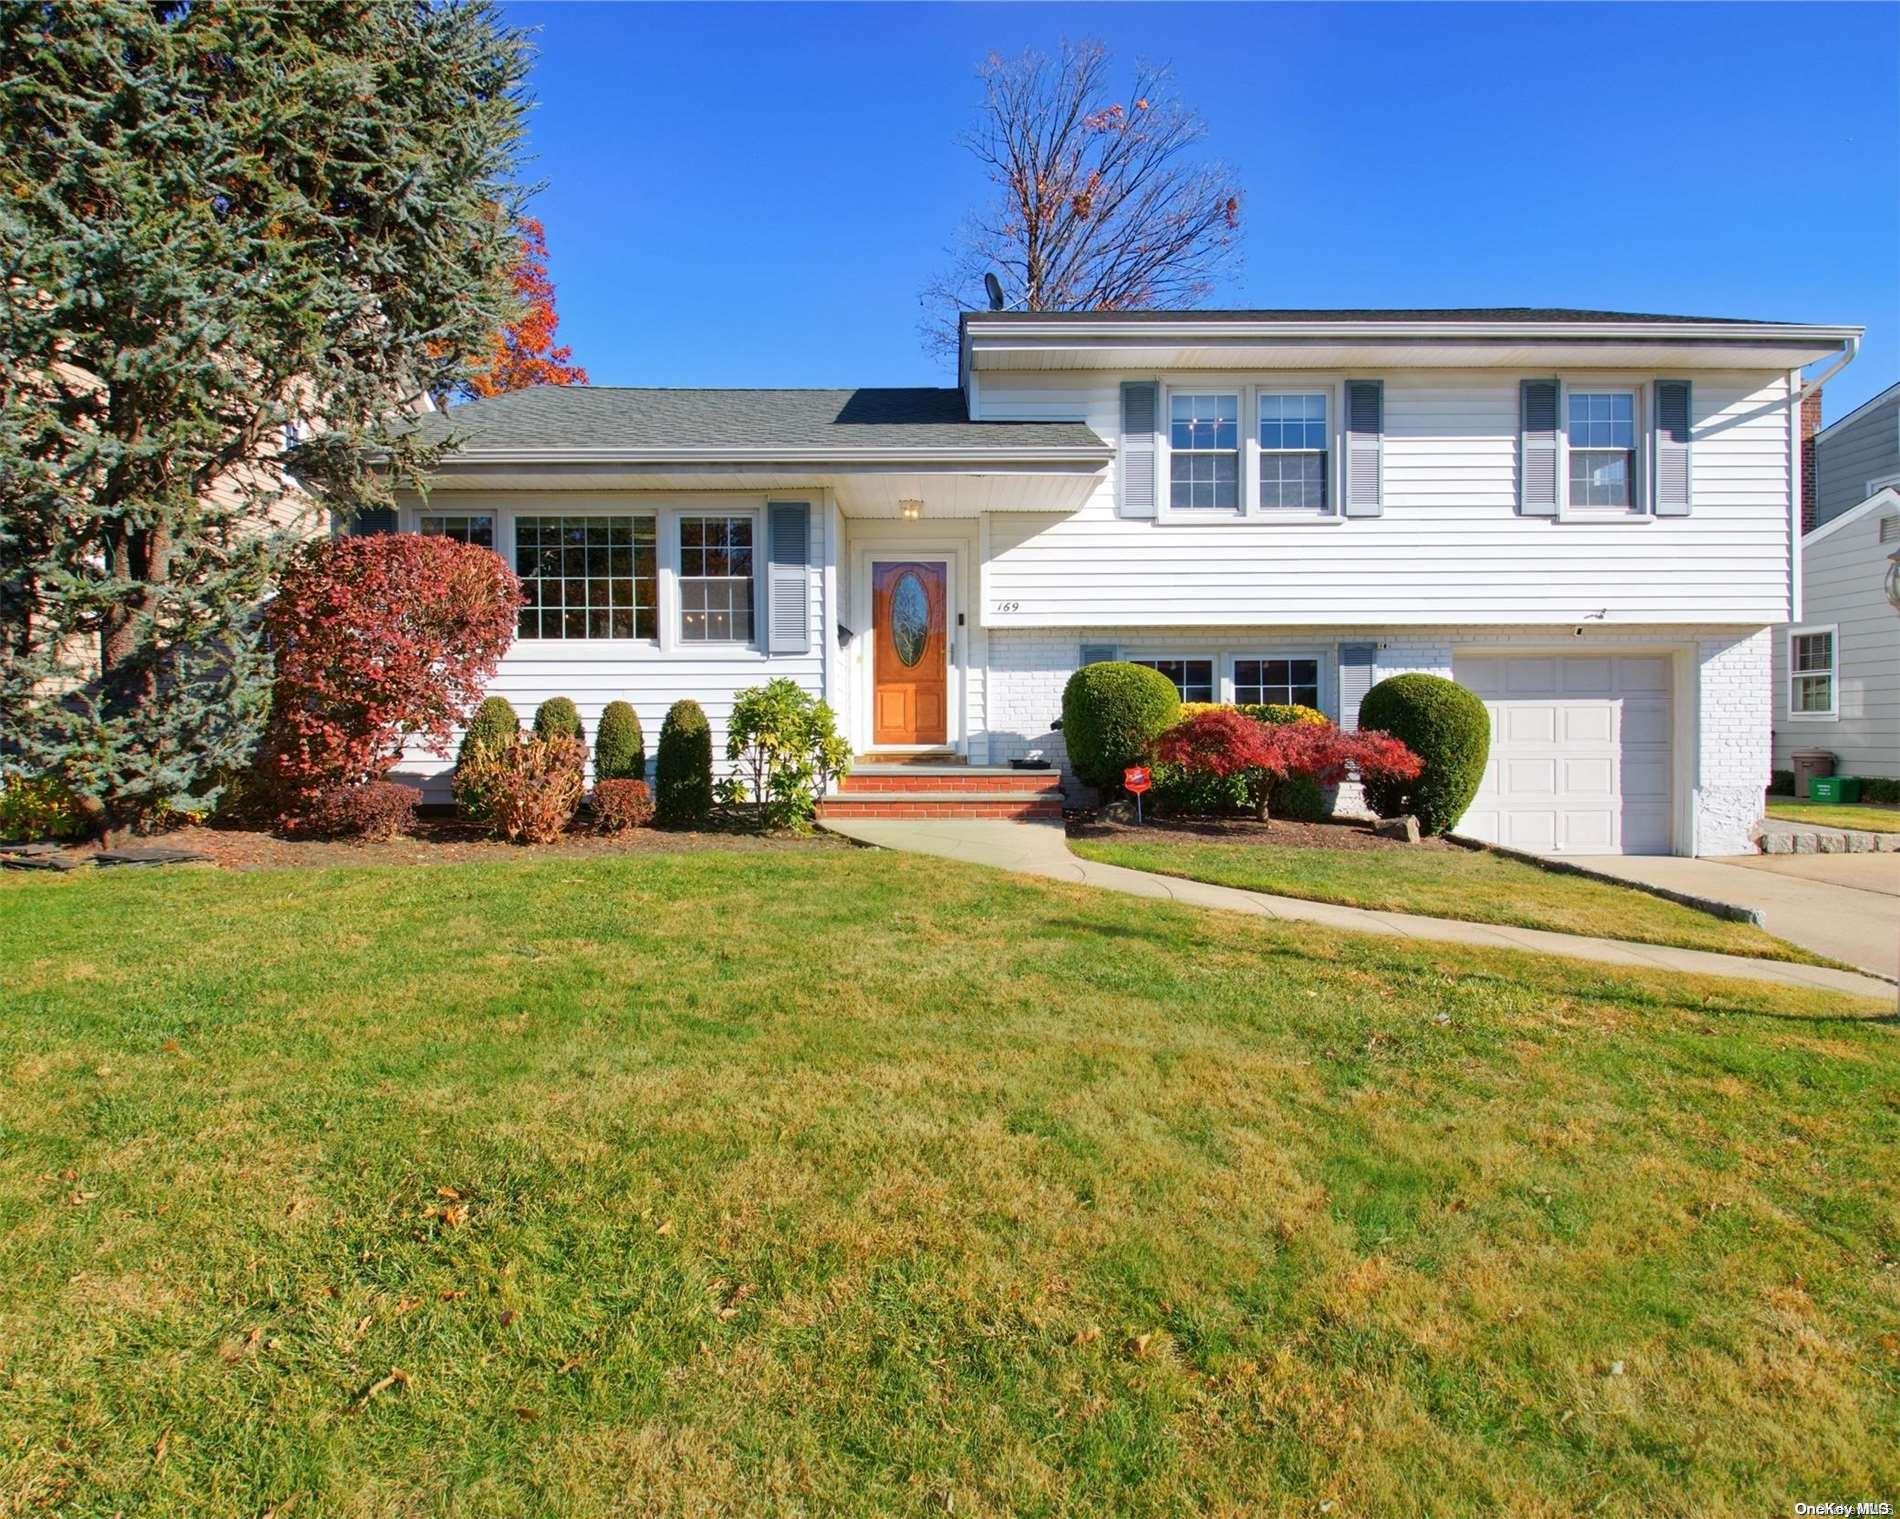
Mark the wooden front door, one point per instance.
(910, 671)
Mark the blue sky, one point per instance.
(753, 195)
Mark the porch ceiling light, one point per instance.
(910, 510)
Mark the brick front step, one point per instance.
(940, 804)
(962, 779)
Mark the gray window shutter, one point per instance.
(1098, 653)
(1537, 448)
(788, 578)
(373, 524)
(1365, 448)
(1672, 448)
(1135, 466)
(1357, 661)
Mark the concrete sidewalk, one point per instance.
(1041, 849)
(1844, 906)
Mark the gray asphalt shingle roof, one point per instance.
(606, 416)
(1373, 314)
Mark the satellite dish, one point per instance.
(994, 287)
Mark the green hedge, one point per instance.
(557, 717)
(1447, 727)
(620, 748)
(1111, 713)
(684, 778)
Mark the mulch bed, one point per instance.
(444, 841)
(1280, 834)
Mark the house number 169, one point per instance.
(1009, 606)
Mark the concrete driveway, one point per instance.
(1844, 906)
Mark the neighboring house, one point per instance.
(1837, 671)
(1587, 517)
(1856, 456)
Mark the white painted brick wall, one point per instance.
(1028, 669)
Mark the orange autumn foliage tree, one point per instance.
(522, 352)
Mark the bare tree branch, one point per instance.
(1098, 203)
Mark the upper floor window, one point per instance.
(1204, 452)
(1193, 678)
(463, 527)
(587, 577)
(716, 579)
(1811, 673)
(1289, 682)
(1602, 437)
(1292, 451)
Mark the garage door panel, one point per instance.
(1586, 677)
(1592, 724)
(1646, 720)
(1527, 723)
(1580, 760)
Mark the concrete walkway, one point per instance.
(1041, 849)
(1844, 906)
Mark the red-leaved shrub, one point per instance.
(533, 785)
(374, 811)
(1226, 743)
(621, 804)
(377, 640)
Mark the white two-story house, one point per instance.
(1586, 517)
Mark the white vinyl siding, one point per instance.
(1450, 545)
(1843, 577)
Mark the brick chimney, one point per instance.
(1810, 472)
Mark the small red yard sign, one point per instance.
(1136, 779)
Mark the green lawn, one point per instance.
(1468, 884)
(846, 1182)
(1864, 815)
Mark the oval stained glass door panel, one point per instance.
(910, 618)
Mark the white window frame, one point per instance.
(677, 520)
(666, 510)
(494, 523)
(1219, 390)
(1230, 682)
(1810, 630)
(1217, 682)
(1328, 454)
(1249, 388)
(1640, 508)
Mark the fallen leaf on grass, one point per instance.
(1086, 1336)
(450, 1294)
(566, 1366)
(527, 1415)
(507, 1317)
(80, 1199)
(1138, 1346)
(164, 1441)
(454, 1215)
(278, 1510)
(450, 1193)
(406, 1304)
(664, 1229)
(397, 1378)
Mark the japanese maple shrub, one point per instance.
(1230, 746)
(787, 747)
(377, 640)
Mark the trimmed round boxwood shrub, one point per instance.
(684, 777)
(620, 748)
(557, 717)
(1111, 713)
(494, 726)
(1446, 726)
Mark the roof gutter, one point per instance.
(1094, 457)
(1849, 347)
(1707, 332)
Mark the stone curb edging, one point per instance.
(1711, 905)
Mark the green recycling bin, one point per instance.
(1834, 788)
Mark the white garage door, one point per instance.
(1579, 752)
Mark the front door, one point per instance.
(910, 674)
